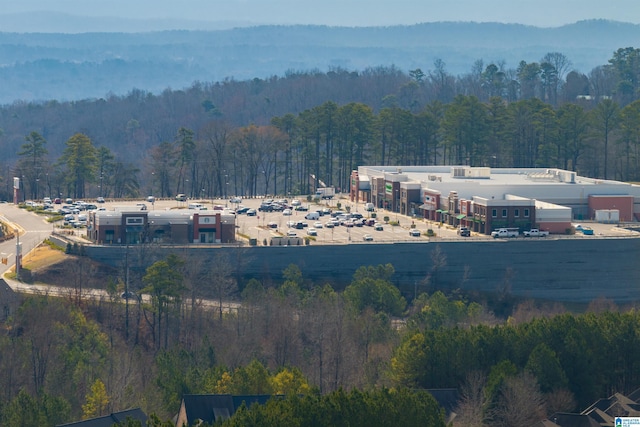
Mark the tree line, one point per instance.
(285, 135)
(323, 145)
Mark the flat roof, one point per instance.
(551, 184)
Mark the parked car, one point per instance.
(272, 224)
(378, 227)
(312, 232)
(235, 200)
(312, 215)
(464, 231)
(100, 199)
(367, 237)
(129, 295)
(535, 232)
(251, 212)
(414, 232)
(242, 209)
(151, 199)
(286, 212)
(291, 233)
(317, 224)
(181, 197)
(329, 224)
(505, 232)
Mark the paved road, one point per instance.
(33, 230)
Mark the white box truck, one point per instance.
(326, 192)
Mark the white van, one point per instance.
(196, 205)
(312, 216)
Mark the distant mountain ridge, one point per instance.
(42, 66)
(57, 22)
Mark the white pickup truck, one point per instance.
(505, 232)
(534, 232)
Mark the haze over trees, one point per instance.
(96, 64)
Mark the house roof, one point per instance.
(447, 398)
(572, 420)
(213, 407)
(110, 420)
(617, 404)
(635, 395)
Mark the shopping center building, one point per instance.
(485, 198)
(179, 226)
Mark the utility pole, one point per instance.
(17, 254)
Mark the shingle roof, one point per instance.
(212, 407)
(110, 420)
(573, 420)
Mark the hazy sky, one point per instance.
(544, 13)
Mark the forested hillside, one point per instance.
(269, 136)
(40, 66)
(63, 359)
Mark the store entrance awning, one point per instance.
(461, 216)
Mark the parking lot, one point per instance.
(263, 225)
(326, 229)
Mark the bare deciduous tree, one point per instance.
(520, 402)
(473, 401)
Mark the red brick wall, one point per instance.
(622, 203)
(554, 227)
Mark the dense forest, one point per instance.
(69, 358)
(271, 136)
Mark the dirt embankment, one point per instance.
(49, 266)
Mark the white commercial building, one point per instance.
(485, 198)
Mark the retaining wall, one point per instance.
(578, 270)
